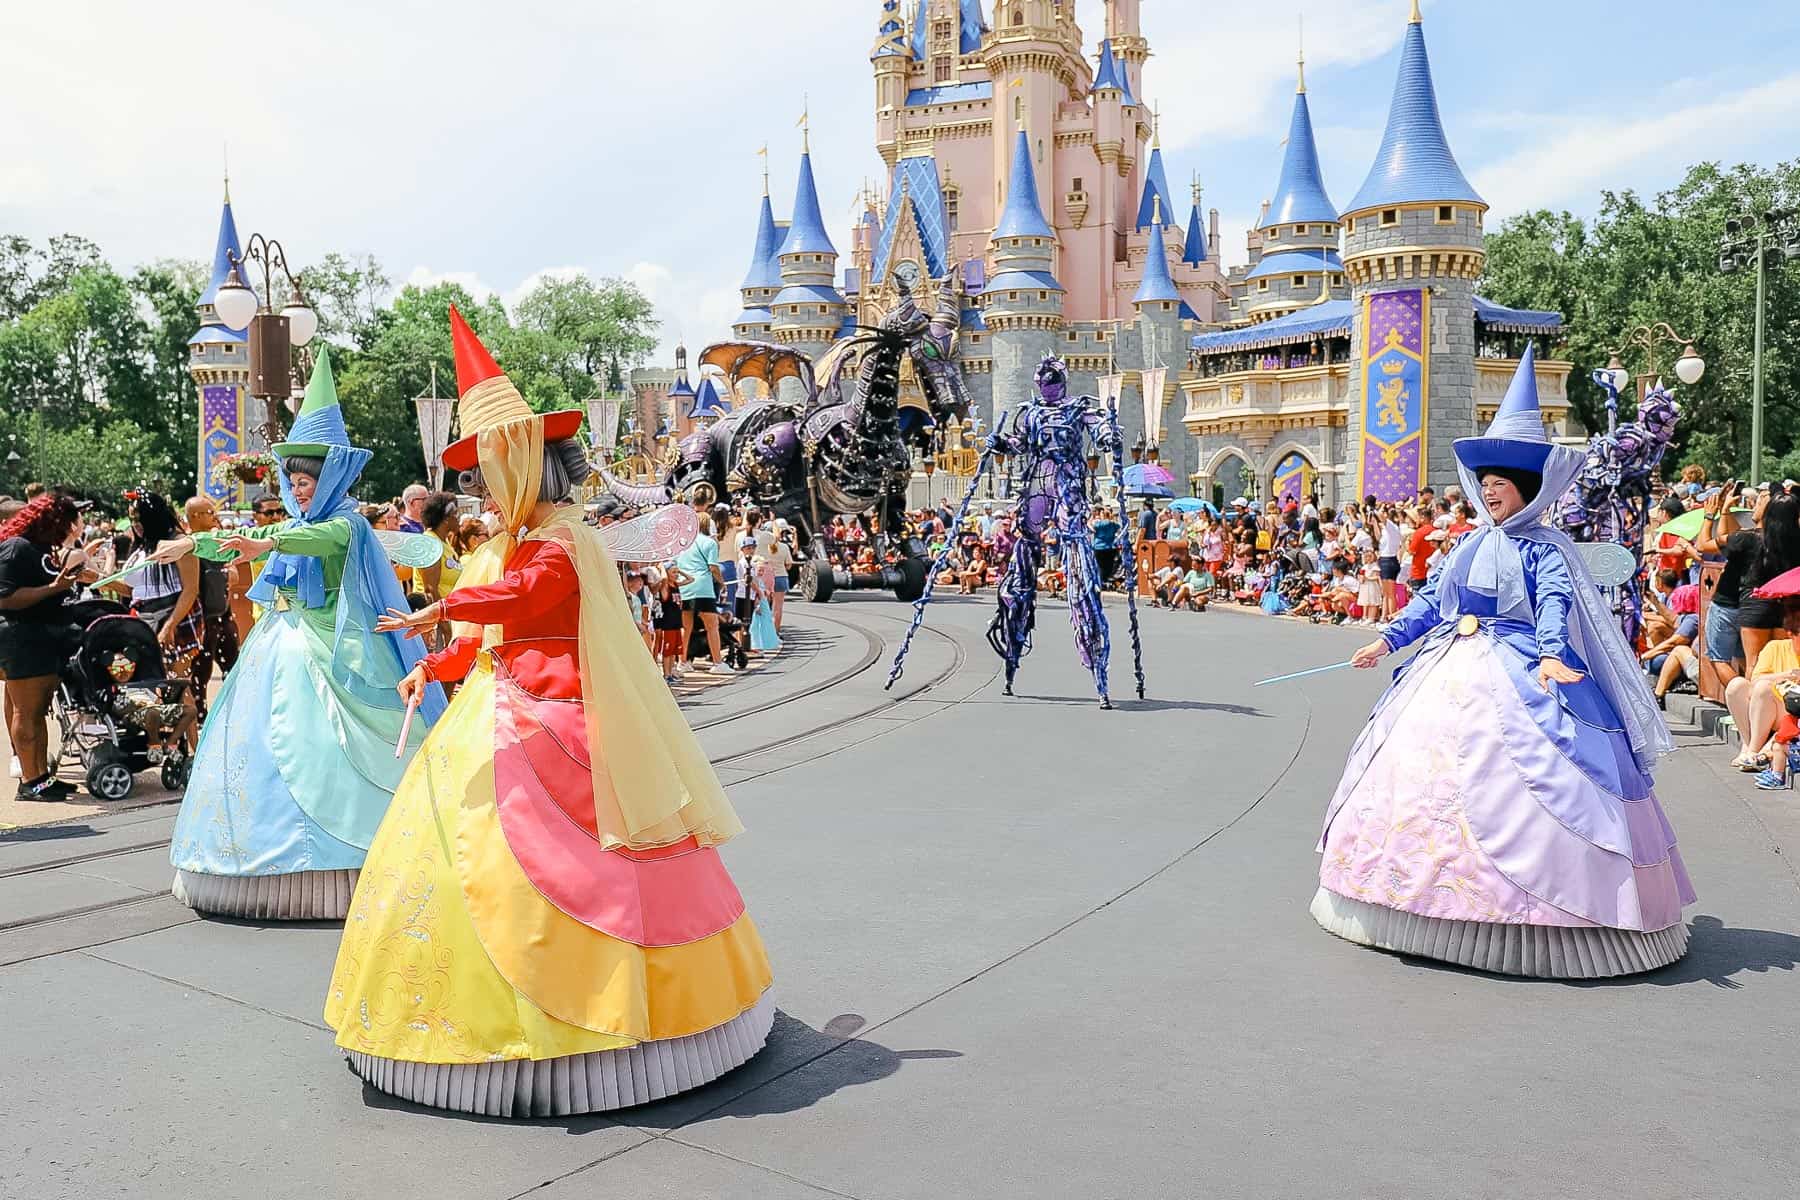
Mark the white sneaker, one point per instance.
(15, 766)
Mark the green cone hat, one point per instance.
(319, 425)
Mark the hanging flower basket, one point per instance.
(250, 468)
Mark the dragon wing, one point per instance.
(655, 536)
(765, 361)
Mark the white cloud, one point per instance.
(1583, 154)
(424, 277)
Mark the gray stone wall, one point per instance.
(1450, 394)
(1416, 227)
(1017, 353)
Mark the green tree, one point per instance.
(348, 294)
(168, 291)
(1640, 262)
(584, 326)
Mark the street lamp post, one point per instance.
(1754, 235)
(272, 335)
(1614, 378)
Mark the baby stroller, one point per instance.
(110, 696)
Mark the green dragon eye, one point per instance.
(931, 350)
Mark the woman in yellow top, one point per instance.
(441, 519)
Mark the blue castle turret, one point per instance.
(1193, 249)
(809, 310)
(763, 281)
(1413, 242)
(219, 362)
(1298, 263)
(1023, 301)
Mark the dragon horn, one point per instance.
(949, 312)
(638, 495)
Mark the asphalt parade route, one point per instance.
(1022, 948)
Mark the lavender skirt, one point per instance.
(1475, 795)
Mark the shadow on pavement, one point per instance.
(1151, 704)
(46, 833)
(1716, 952)
(825, 1062)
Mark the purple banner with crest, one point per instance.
(221, 432)
(1396, 384)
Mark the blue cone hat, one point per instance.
(1516, 438)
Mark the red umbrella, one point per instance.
(1785, 586)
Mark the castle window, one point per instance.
(952, 207)
(1350, 225)
(1018, 16)
(1337, 280)
(1012, 295)
(1299, 281)
(940, 71)
(1446, 214)
(1262, 285)
(1390, 216)
(1043, 295)
(1078, 187)
(941, 31)
(1299, 231)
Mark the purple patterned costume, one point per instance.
(1049, 440)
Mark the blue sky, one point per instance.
(492, 143)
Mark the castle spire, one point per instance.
(1023, 216)
(1300, 195)
(1156, 190)
(1158, 284)
(807, 233)
(1300, 82)
(764, 272)
(1193, 250)
(226, 248)
(1414, 164)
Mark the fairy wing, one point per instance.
(410, 549)
(1610, 564)
(654, 537)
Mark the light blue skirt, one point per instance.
(292, 773)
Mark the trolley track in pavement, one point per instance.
(871, 655)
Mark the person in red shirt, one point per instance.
(1419, 546)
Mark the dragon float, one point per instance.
(842, 444)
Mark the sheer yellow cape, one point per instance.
(653, 785)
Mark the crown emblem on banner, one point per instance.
(1392, 367)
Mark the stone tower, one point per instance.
(1299, 266)
(809, 310)
(219, 361)
(1412, 251)
(1159, 343)
(1024, 300)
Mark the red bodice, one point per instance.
(536, 603)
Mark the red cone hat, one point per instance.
(489, 400)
